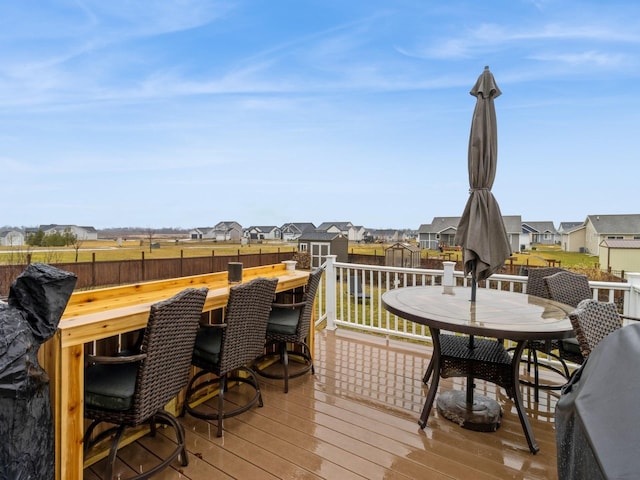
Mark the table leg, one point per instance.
(433, 370)
(524, 420)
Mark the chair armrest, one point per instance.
(213, 325)
(627, 317)
(106, 359)
(290, 306)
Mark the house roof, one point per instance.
(264, 228)
(56, 226)
(340, 225)
(567, 226)
(299, 226)
(512, 224)
(6, 231)
(439, 224)
(620, 243)
(540, 227)
(318, 235)
(620, 224)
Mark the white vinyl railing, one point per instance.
(340, 305)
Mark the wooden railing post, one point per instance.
(634, 293)
(330, 291)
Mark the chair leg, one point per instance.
(113, 452)
(536, 378)
(223, 387)
(285, 365)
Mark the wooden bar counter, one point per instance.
(103, 313)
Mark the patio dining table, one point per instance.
(495, 314)
(95, 315)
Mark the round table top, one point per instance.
(495, 313)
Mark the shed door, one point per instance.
(319, 251)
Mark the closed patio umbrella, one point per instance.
(481, 232)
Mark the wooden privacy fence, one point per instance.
(118, 272)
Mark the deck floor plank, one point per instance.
(357, 418)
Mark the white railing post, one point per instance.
(330, 291)
(447, 277)
(634, 301)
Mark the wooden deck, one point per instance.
(356, 418)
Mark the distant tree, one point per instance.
(69, 237)
(35, 239)
(76, 243)
(150, 233)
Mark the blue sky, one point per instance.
(183, 113)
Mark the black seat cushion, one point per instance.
(571, 345)
(110, 386)
(208, 342)
(283, 321)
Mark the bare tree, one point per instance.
(76, 243)
(150, 234)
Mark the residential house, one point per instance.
(538, 233)
(10, 237)
(387, 235)
(609, 227)
(227, 231)
(221, 232)
(81, 233)
(442, 231)
(201, 233)
(619, 256)
(567, 227)
(513, 226)
(319, 244)
(292, 231)
(264, 232)
(348, 229)
(573, 240)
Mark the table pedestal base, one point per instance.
(483, 416)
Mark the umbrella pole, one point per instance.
(473, 287)
(470, 385)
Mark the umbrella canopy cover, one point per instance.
(481, 232)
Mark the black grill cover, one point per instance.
(37, 299)
(598, 413)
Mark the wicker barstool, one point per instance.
(289, 324)
(132, 390)
(232, 346)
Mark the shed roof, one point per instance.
(322, 236)
(620, 243)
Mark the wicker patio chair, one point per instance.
(132, 390)
(592, 321)
(536, 286)
(569, 288)
(230, 347)
(289, 324)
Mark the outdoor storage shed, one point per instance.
(321, 244)
(402, 255)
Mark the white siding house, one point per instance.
(11, 238)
